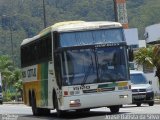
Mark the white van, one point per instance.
(142, 91)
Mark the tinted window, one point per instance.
(138, 78)
(91, 37)
(112, 64)
(36, 52)
(87, 66)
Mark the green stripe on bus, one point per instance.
(44, 84)
(108, 85)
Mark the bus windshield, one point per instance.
(87, 66)
(100, 36)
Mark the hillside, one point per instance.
(25, 17)
(143, 13)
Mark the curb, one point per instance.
(13, 102)
(157, 101)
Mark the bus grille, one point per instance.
(99, 90)
(138, 90)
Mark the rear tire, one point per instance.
(35, 110)
(44, 111)
(38, 111)
(114, 109)
(138, 104)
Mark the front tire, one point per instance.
(114, 109)
(60, 113)
(151, 103)
(83, 110)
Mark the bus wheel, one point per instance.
(59, 112)
(138, 104)
(83, 110)
(35, 110)
(38, 111)
(114, 109)
(44, 111)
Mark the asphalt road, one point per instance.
(22, 112)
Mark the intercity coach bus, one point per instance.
(76, 65)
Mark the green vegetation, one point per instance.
(149, 57)
(11, 79)
(142, 13)
(145, 56)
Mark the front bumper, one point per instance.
(142, 97)
(101, 99)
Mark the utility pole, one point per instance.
(44, 15)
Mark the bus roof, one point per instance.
(74, 26)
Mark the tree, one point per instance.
(5, 62)
(5, 66)
(149, 57)
(144, 56)
(17, 82)
(11, 76)
(156, 60)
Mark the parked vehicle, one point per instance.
(142, 91)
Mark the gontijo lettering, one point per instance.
(29, 73)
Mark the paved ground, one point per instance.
(22, 112)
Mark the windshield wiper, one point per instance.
(87, 74)
(88, 71)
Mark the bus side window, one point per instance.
(41, 51)
(49, 48)
(56, 40)
(28, 55)
(36, 54)
(23, 62)
(58, 69)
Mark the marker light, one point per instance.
(65, 93)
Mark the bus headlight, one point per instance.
(75, 103)
(123, 96)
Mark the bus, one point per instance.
(76, 65)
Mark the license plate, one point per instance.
(139, 96)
